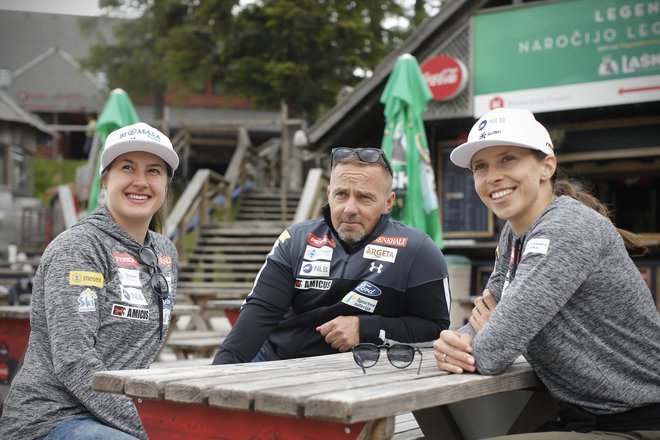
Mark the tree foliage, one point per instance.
(298, 51)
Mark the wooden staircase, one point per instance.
(221, 269)
(267, 206)
(228, 255)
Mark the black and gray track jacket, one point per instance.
(395, 281)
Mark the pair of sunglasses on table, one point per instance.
(366, 355)
(147, 256)
(366, 155)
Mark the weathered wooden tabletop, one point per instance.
(325, 388)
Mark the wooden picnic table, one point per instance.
(324, 397)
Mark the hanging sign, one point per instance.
(446, 77)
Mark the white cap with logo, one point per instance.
(138, 137)
(503, 127)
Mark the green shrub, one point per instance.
(50, 173)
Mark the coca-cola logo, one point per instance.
(446, 77)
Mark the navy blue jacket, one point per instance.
(395, 281)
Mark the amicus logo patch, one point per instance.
(382, 253)
(366, 288)
(306, 284)
(136, 313)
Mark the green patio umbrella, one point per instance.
(406, 97)
(117, 112)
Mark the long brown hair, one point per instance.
(562, 186)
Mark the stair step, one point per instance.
(217, 276)
(228, 257)
(256, 208)
(252, 248)
(215, 285)
(265, 202)
(233, 240)
(232, 267)
(262, 216)
(253, 195)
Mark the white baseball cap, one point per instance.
(138, 137)
(503, 127)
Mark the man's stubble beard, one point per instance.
(353, 239)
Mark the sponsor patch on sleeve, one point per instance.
(537, 246)
(358, 301)
(284, 236)
(87, 301)
(80, 278)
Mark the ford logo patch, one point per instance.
(366, 288)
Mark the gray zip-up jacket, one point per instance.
(579, 311)
(93, 309)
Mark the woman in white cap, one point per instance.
(102, 299)
(564, 292)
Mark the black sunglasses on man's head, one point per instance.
(147, 256)
(366, 155)
(366, 355)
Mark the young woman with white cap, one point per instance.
(102, 299)
(564, 292)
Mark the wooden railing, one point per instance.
(313, 196)
(206, 191)
(197, 198)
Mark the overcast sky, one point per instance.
(72, 7)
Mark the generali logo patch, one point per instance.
(381, 253)
(165, 261)
(320, 241)
(391, 241)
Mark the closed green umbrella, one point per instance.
(406, 98)
(118, 112)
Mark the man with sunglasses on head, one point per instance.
(352, 276)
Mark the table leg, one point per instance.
(232, 315)
(176, 421)
(438, 422)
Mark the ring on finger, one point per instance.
(444, 357)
